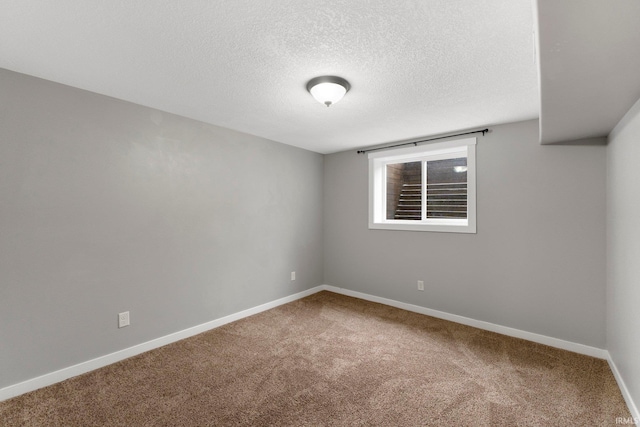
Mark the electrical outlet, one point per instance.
(123, 319)
(293, 275)
(420, 285)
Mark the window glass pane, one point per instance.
(404, 191)
(447, 188)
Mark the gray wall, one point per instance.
(623, 249)
(536, 264)
(107, 206)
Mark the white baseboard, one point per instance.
(99, 362)
(504, 330)
(81, 368)
(635, 414)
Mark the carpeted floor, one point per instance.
(332, 360)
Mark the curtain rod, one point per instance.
(483, 131)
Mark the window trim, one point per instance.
(377, 186)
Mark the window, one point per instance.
(424, 188)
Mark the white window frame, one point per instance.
(434, 151)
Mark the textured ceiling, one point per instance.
(417, 68)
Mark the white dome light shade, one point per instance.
(328, 93)
(328, 90)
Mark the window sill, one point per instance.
(451, 226)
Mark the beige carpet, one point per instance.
(331, 360)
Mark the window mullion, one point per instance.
(383, 191)
(424, 191)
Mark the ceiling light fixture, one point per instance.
(328, 90)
